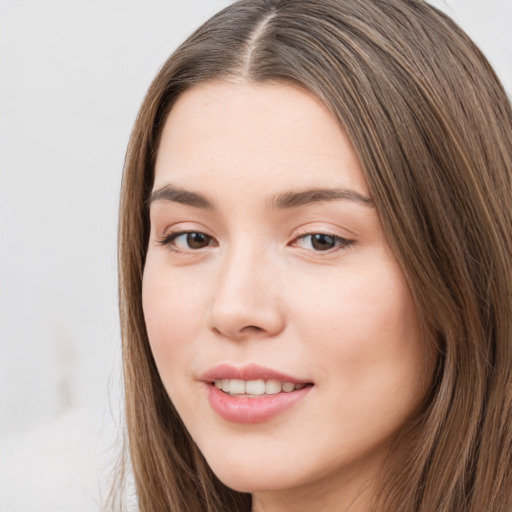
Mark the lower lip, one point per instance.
(252, 410)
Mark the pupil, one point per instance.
(322, 242)
(197, 240)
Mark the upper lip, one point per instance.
(248, 372)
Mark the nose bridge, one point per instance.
(245, 301)
(243, 269)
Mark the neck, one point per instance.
(352, 495)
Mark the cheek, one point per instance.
(363, 330)
(356, 306)
(172, 314)
(173, 317)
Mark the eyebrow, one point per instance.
(317, 195)
(281, 201)
(182, 196)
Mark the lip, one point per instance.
(248, 372)
(250, 410)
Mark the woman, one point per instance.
(315, 266)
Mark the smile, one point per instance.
(255, 388)
(252, 394)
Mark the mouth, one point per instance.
(252, 394)
(256, 388)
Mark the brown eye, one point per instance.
(187, 241)
(198, 240)
(322, 242)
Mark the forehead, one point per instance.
(273, 133)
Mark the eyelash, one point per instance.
(339, 242)
(170, 240)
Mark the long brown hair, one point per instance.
(432, 127)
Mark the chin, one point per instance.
(253, 481)
(252, 476)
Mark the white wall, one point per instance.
(72, 75)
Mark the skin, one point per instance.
(257, 290)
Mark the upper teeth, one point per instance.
(255, 387)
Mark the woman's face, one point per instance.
(268, 275)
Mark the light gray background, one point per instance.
(72, 76)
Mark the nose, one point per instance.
(247, 300)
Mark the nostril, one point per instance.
(251, 328)
(247, 330)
